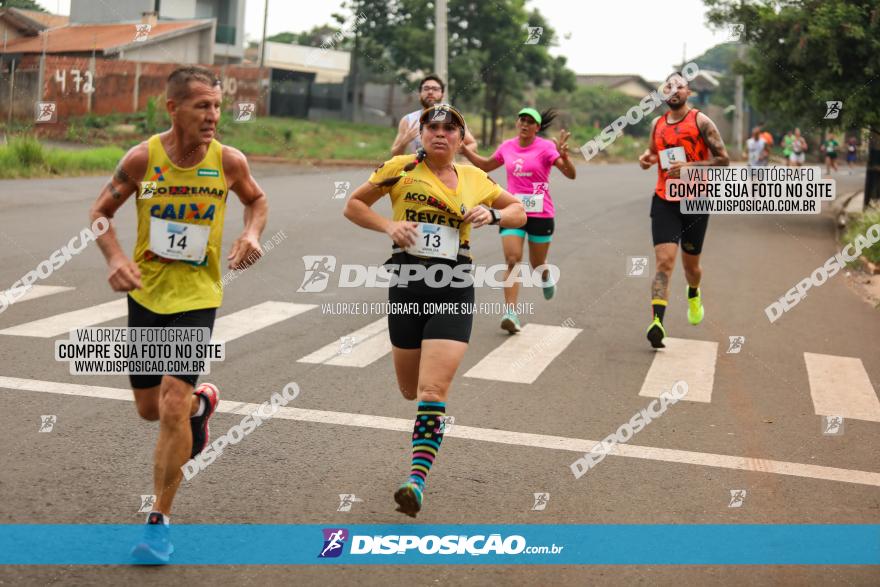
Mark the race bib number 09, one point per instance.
(178, 241)
(434, 240)
(531, 202)
(670, 156)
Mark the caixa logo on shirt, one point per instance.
(334, 541)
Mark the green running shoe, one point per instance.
(656, 333)
(510, 323)
(695, 308)
(549, 289)
(409, 499)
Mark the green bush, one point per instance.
(27, 151)
(859, 227)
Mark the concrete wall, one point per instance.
(94, 11)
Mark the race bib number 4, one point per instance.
(531, 202)
(670, 156)
(435, 241)
(178, 241)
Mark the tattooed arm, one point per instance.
(713, 140)
(124, 273)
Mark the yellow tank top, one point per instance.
(177, 195)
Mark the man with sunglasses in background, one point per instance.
(431, 91)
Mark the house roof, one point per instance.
(31, 22)
(105, 38)
(610, 80)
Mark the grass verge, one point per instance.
(25, 156)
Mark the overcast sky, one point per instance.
(623, 36)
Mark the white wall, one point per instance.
(330, 66)
(180, 9)
(196, 47)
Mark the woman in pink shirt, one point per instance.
(528, 159)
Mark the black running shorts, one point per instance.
(419, 312)
(141, 317)
(670, 225)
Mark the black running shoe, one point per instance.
(200, 432)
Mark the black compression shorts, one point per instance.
(539, 230)
(141, 317)
(670, 225)
(414, 314)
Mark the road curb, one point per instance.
(845, 207)
(314, 162)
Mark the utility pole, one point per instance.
(872, 168)
(441, 40)
(738, 105)
(263, 42)
(353, 92)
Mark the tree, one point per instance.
(588, 109)
(804, 53)
(318, 36)
(490, 64)
(23, 4)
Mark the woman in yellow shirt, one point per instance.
(435, 203)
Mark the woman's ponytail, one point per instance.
(547, 117)
(420, 156)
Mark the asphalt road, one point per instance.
(96, 462)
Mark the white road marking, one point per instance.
(370, 344)
(577, 445)
(840, 386)
(524, 356)
(39, 291)
(63, 323)
(690, 360)
(243, 322)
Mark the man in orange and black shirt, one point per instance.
(683, 137)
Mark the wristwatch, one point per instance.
(496, 215)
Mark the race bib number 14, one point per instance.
(179, 241)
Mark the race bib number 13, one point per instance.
(434, 240)
(179, 241)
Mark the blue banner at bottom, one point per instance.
(242, 544)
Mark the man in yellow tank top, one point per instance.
(181, 179)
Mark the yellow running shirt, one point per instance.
(180, 232)
(421, 197)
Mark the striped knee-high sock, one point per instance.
(426, 439)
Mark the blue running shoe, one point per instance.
(155, 547)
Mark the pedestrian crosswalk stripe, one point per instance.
(365, 346)
(63, 323)
(38, 291)
(692, 361)
(506, 437)
(243, 322)
(523, 357)
(840, 386)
